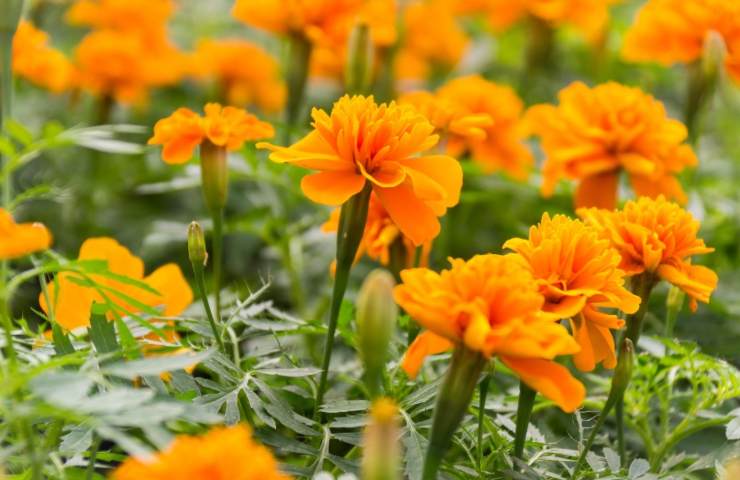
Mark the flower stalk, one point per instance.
(352, 218)
(359, 69)
(452, 403)
(198, 259)
(297, 77)
(703, 75)
(215, 183)
(482, 395)
(523, 414)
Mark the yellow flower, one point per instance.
(578, 273)
(669, 31)
(221, 454)
(429, 44)
(227, 127)
(657, 237)
(18, 240)
(490, 304)
(386, 145)
(256, 82)
(39, 63)
(73, 301)
(502, 147)
(596, 133)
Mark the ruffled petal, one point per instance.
(551, 379)
(425, 344)
(332, 188)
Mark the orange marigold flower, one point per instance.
(578, 273)
(670, 31)
(227, 127)
(20, 239)
(73, 301)
(39, 63)
(587, 16)
(361, 141)
(256, 82)
(428, 45)
(226, 453)
(124, 65)
(502, 147)
(595, 133)
(490, 304)
(382, 240)
(657, 237)
(147, 17)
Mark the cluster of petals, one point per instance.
(128, 52)
(490, 304)
(593, 134)
(39, 63)
(589, 17)
(73, 296)
(241, 83)
(20, 239)
(578, 274)
(657, 237)
(227, 127)
(675, 31)
(502, 147)
(382, 237)
(429, 45)
(385, 145)
(224, 453)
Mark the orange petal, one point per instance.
(332, 188)
(425, 344)
(414, 218)
(441, 169)
(175, 293)
(598, 190)
(551, 379)
(120, 259)
(697, 281)
(73, 302)
(180, 150)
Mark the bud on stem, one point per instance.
(376, 319)
(197, 245)
(452, 403)
(381, 459)
(359, 67)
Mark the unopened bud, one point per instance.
(381, 458)
(10, 14)
(623, 372)
(214, 173)
(197, 245)
(713, 55)
(359, 67)
(376, 320)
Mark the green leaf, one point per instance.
(155, 365)
(62, 343)
(638, 468)
(129, 344)
(733, 429)
(102, 334)
(18, 132)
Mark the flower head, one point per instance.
(577, 272)
(41, 64)
(589, 17)
(361, 141)
(125, 65)
(668, 32)
(256, 82)
(596, 133)
(382, 239)
(657, 237)
(222, 453)
(502, 147)
(490, 304)
(122, 15)
(227, 127)
(20, 239)
(74, 298)
(428, 45)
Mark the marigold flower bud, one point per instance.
(197, 245)
(359, 67)
(214, 175)
(623, 372)
(376, 319)
(382, 456)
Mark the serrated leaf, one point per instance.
(638, 467)
(290, 372)
(733, 429)
(344, 406)
(62, 343)
(102, 334)
(76, 441)
(612, 460)
(155, 365)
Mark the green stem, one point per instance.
(200, 282)
(678, 435)
(297, 76)
(523, 413)
(619, 418)
(218, 243)
(483, 389)
(452, 403)
(93, 457)
(352, 218)
(6, 100)
(10, 352)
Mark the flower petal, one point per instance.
(413, 217)
(332, 188)
(551, 379)
(425, 344)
